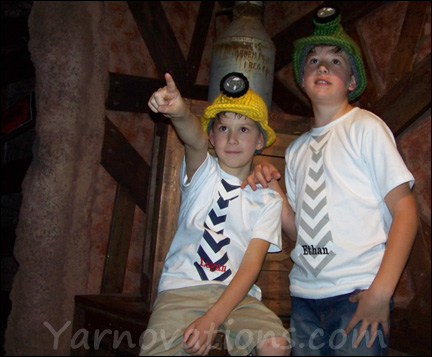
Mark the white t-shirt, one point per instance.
(217, 220)
(337, 177)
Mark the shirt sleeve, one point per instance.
(200, 175)
(268, 225)
(289, 180)
(379, 150)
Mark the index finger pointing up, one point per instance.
(170, 83)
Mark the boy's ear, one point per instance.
(352, 84)
(211, 137)
(260, 143)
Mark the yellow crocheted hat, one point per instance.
(237, 97)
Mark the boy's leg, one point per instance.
(308, 337)
(173, 311)
(253, 328)
(317, 329)
(164, 331)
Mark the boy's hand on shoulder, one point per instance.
(262, 174)
(168, 100)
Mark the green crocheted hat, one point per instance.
(328, 31)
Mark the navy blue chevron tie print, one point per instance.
(213, 261)
(216, 246)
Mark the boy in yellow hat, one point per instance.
(223, 232)
(349, 205)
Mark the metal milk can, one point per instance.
(245, 47)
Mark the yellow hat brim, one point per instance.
(259, 114)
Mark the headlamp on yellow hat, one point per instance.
(237, 97)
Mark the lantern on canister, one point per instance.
(245, 47)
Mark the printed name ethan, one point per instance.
(311, 250)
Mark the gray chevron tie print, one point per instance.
(213, 261)
(314, 229)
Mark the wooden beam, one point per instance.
(125, 164)
(159, 38)
(131, 93)
(199, 39)
(288, 101)
(408, 99)
(166, 218)
(154, 203)
(406, 50)
(411, 327)
(119, 241)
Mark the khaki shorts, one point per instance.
(174, 310)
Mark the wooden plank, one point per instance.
(125, 164)
(279, 146)
(411, 33)
(199, 38)
(170, 203)
(154, 202)
(275, 291)
(130, 93)
(288, 101)
(119, 241)
(419, 264)
(113, 324)
(408, 99)
(159, 38)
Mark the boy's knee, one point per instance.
(274, 346)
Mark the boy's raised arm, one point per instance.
(169, 102)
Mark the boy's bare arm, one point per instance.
(374, 303)
(169, 102)
(199, 335)
(287, 215)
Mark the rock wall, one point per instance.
(52, 245)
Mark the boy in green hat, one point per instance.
(348, 206)
(223, 232)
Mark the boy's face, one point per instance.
(327, 74)
(235, 138)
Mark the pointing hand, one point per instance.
(168, 100)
